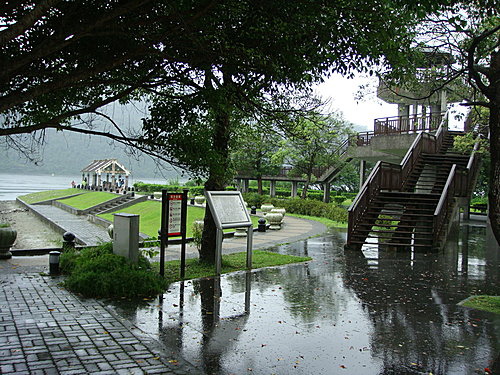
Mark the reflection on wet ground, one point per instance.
(377, 313)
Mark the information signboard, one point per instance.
(228, 209)
(173, 223)
(174, 215)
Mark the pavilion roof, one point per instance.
(106, 166)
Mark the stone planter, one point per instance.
(281, 211)
(240, 232)
(199, 199)
(111, 230)
(266, 207)
(274, 219)
(7, 238)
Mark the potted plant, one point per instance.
(7, 238)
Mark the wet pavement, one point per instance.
(378, 313)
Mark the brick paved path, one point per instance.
(45, 329)
(89, 233)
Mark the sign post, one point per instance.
(173, 224)
(229, 211)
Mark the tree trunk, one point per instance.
(494, 124)
(259, 184)
(494, 188)
(306, 186)
(216, 181)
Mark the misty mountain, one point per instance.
(66, 153)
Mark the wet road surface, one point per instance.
(342, 313)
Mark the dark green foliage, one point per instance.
(97, 272)
(339, 199)
(255, 199)
(151, 188)
(312, 208)
(196, 190)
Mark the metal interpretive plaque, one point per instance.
(228, 209)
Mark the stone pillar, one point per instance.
(244, 186)
(294, 189)
(272, 188)
(326, 192)
(99, 179)
(415, 117)
(444, 101)
(113, 181)
(126, 182)
(404, 113)
(362, 173)
(403, 110)
(425, 123)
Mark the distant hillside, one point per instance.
(66, 153)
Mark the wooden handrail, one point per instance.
(424, 142)
(407, 124)
(441, 211)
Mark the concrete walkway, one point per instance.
(45, 329)
(293, 229)
(88, 233)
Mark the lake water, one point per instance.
(14, 185)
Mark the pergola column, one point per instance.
(294, 189)
(244, 186)
(126, 181)
(326, 192)
(272, 188)
(99, 179)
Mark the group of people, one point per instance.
(106, 185)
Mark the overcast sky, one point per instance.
(341, 93)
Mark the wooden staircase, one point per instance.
(408, 206)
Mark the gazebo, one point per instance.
(116, 174)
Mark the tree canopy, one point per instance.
(206, 67)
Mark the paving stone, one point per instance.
(69, 339)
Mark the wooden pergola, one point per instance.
(107, 173)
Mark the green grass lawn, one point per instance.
(486, 303)
(230, 263)
(329, 223)
(87, 200)
(49, 194)
(150, 212)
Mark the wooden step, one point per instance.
(390, 243)
(398, 231)
(428, 239)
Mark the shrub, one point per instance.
(196, 190)
(151, 188)
(312, 207)
(255, 199)
(97, 272)
(339, 199)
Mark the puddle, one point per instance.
(377, 313)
